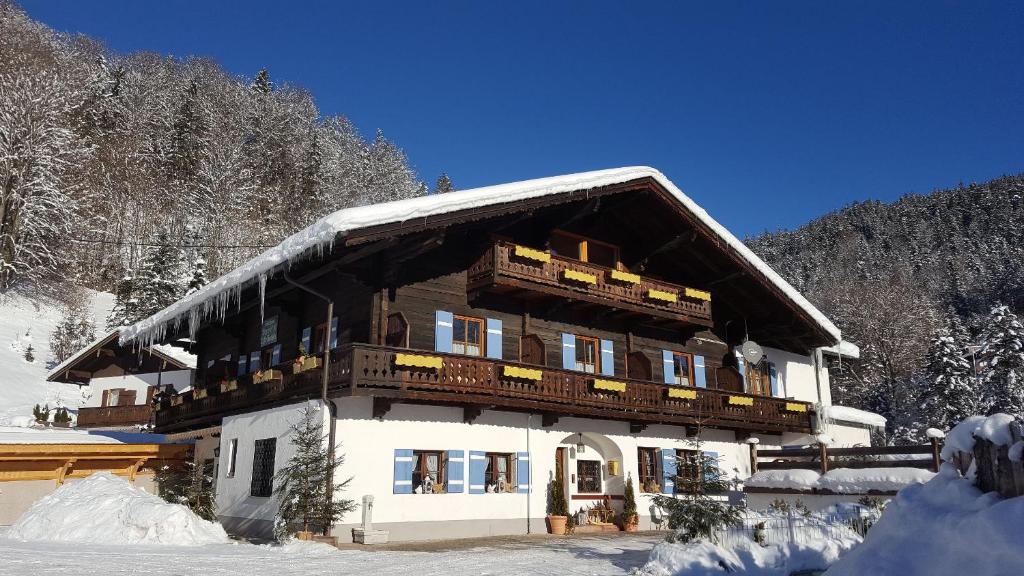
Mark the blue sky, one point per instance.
(768, 113)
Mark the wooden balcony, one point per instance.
(110, 416)
(507, 267)
(401, 375)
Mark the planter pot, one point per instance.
(631, 523)
(558, 524)
(304, 535)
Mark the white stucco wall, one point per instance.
(797, 376)
(181, 379)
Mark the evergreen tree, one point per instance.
(61, 417)
(126, 303)
(159, 283)
(190, 485)
(42, 415)
(187, 144)
(694, 511)
(443, 184)
(949, 392)
(261, 83)
(629, 501)
(1002, 356)
(198, 279)
(74, 332)
(305, 500)
(30, 355)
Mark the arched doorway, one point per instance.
(590, 465)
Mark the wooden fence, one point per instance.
(823, 458)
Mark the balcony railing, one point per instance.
(419, 376)
(506, 265)
(107, 416)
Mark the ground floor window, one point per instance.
(588, 476)
(649, 471)
(689, 465)
(498, 473)
(263, 468)
(428, 471)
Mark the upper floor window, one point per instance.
(319, 338)
(584, 249)
(588, 357)
(682, 366)
(759, 379)
(468, 336)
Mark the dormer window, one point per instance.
(584, 249)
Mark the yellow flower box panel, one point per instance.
(266, 376)
(523, 373)
(610, 385)
(177, 400)
(698, 294)
(626, 277)
(199, 393)
(684, 393)
(582, 277)
(228, 385)
(662, 295)
(796, 407)
(418, 361)
(741, 401)
(306, 363)
(531, 254)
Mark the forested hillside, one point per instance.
(916, 283)
(105, 157)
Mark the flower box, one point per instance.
(177, 400)
(625, 277)
(610, 385)
(418, 361)
(228, 385)
(523, 373)
(265, 376)
(581, 277)
(531, 254)
(697, 294)
(682, 393)
(662, 295)
(741, 400)
(199, 393)
(304, 363)
(796, 407)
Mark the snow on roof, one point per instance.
(213, 299)
(847, 414)
(840, 480)
(177, 354)
(16, 435)
(844, 349)
(55, 373)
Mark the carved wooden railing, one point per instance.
(454, 379)
(114, 416)
(500, 265)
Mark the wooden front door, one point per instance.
(531, 350)
(560, 463)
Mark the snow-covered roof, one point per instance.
(16, 435)
(847, 414)
(174, 354)
(844, 349)
(214, 298)
(106, 338)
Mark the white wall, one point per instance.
(181, 379)
(796, 376)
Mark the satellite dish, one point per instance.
(752, 352)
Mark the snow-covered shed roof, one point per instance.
(213, 299)
(176, 357)
(843, 350)
(854, 415)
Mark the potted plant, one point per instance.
(630, 519)
(558, 508)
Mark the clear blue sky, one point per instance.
(767, 113)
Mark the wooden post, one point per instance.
(936, 454)
(823, 451)
(753, 458)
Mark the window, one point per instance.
(587, 357)
(688, 466)
(498, 474)
(467, 336)
(759, 379)
(320, 334)
(428, 471)
(682, 365)
(584, 249)
(397, 334)
(588, 476)
(267, 358)
(263, 468)
(232, 453)
(649, 472)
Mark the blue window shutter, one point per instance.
(699, 376)
(494, 338)
(254, 361)
(774, 379)
(306, 334)
(740, 365)
(403, 471)
(334, 333)
(477, 469)
(275, 355)
(711, 476)
(668, 366)
(523, 472)
(243, 362)
(443, 331)
(456, 471)
(668, 470)
(607, 358)
(568, 351)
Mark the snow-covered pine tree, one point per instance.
(694, 510)
(160, 280)
(305, 501)
(261, 83)
(949, 393)
(42, 415)
(126, 303)
(1002, 356)
(74, 332)
(30, 354)
(443, 184)
(189, 484)
(198, 279)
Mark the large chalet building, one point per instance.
(481, 342)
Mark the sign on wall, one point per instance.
(268, 333)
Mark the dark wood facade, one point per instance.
(675, 287)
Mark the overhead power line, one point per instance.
(160, 245)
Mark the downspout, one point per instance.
(529, 491)
(329, 406)
(816, 361)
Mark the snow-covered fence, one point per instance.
(824, 458)
(796, 528)
(996, 459)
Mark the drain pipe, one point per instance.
(529, 466)
(331, 408)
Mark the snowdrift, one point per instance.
(105, 509)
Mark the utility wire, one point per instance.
(158, 245)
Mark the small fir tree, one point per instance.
(42, 415)
(198, 279)
(629, 501)
(190, 485)
(74, 332)
(61, 417)
(443, 184)
(949, 394)
(694, 512)
(1002, 355)
(159, 283)
(305, 499)
(30, 355)
(557, 504)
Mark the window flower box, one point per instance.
(265, 376)
(177, 400)
(610, 385)
(305, 363)
(697, 294)
(796, 407)
(531, 254)
(682, 393)
(625, 277)
(741, 401)
(577, 276)
(662, 295)
(228, 385)
(522, 373)
(199, 393)
(418, 361)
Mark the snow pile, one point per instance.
(847, 414)
(995, 428)
(841, 480)
(23, 384)
(180, 354)
(19, 435)
(946, 526)
(213, 299)
(105, 509)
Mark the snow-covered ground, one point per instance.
(578, 556)
(23, 384)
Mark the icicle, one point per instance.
(263, 292)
